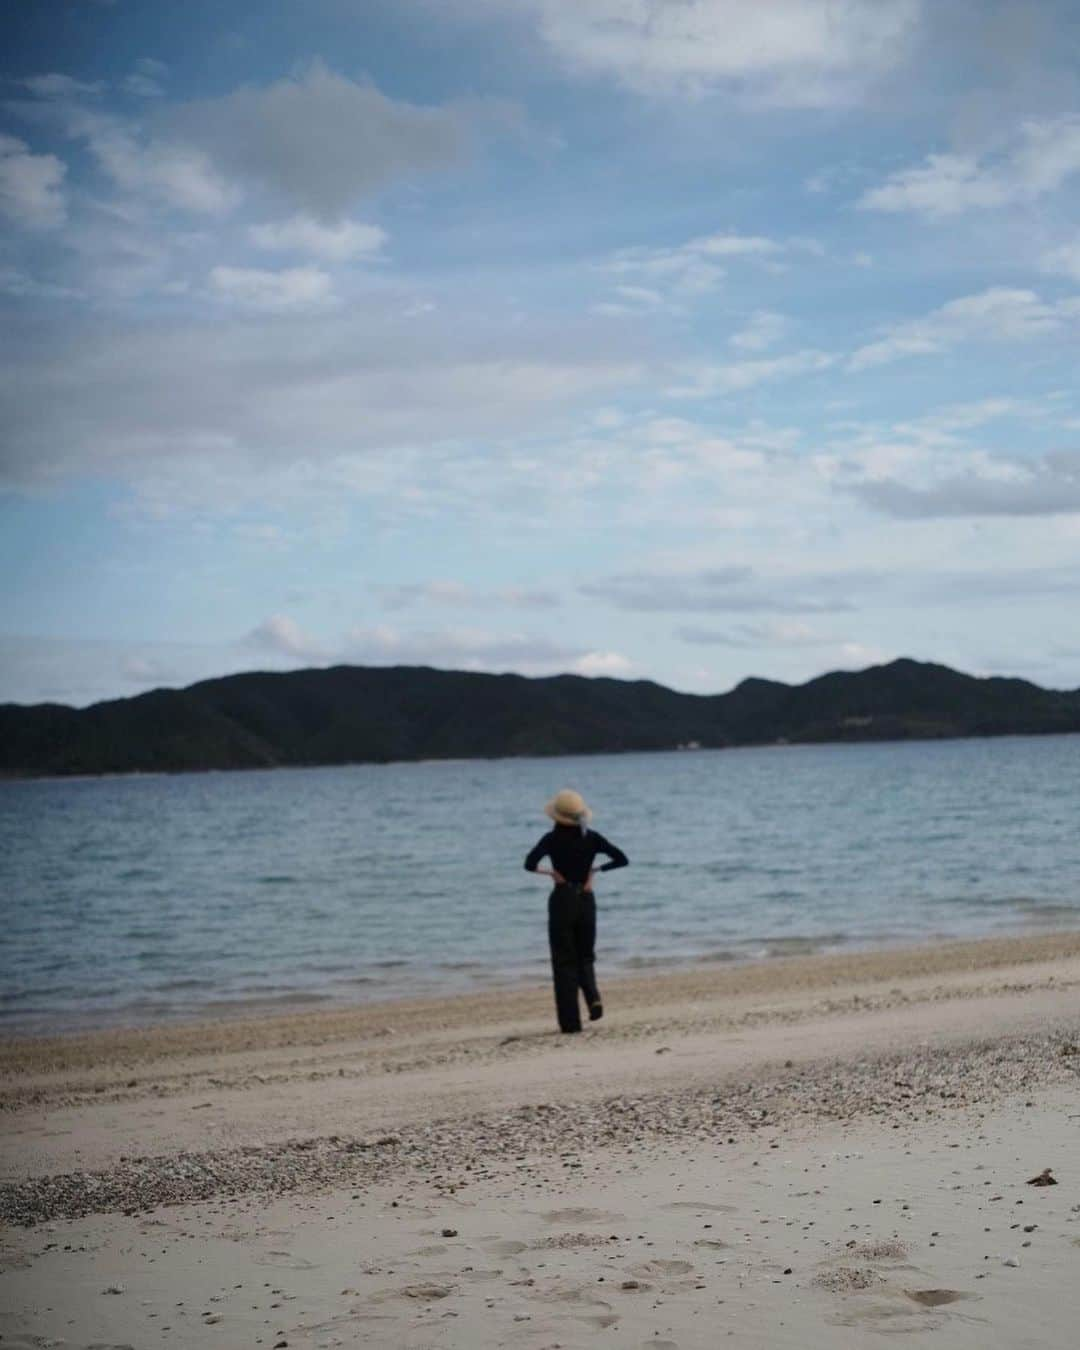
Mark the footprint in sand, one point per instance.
(934, 1298)
(580, 1303)
(503, 1247)
(898, 1317)
(660, 1267)
(554, 1290)
(890, 1318)
(426, 1291)
(284, 1261)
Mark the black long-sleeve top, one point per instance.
(573, 851)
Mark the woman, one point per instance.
(572, 849)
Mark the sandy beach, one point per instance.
(807, 1152)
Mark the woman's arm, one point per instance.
(532, 858)
(617, 857)
(532, 861)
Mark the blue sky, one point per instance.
(669, 339)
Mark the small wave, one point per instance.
(296, 998)
(1049, 908)
(1024, 904)
(651, 962)
(798, 946)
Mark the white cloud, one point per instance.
(126, 260)
(283, 636)
(456, 595)
(1046, 154)
(341, 242)
(167, 169)
(1065, 259)
(1000, 313)
(859, 655)
(611, 664)
(147, 79)
(640, 295)
(31, 192)
(21, 284)
(732, 245)
(708, 381)
(459, 649)
(763, 329)
(147, 670)
(732, 589)
(943, 186)
(62, 86)
(673, 276)
(292, 288)
(777, 633)
(966, 416)
(799, 53)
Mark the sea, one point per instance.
(143, 899)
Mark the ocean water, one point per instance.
(146, 898)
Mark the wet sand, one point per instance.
(801, 1152)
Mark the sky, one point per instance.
(682, 340)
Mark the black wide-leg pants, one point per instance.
(572, 935)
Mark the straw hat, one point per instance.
(568, 808)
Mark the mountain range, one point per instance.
(359, 714)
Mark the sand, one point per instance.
(804, 1152)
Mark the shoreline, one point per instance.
(692, 972)
(695, 979)
(109, 775)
